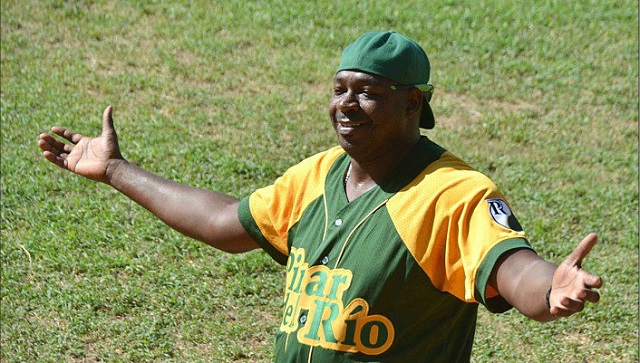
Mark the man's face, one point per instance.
(370, 118)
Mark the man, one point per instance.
(389, 241)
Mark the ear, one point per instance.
(414, 102)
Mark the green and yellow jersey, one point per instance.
(395, 275)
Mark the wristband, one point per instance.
(546, 298)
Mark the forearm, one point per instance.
(531, 292)
(524, 282)
(205, 215)
(523, 279)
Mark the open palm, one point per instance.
(86, 156)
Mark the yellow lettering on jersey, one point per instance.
(317, 292)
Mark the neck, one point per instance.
(378, 168)
(362, 175)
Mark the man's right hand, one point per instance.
(201, 214)
(93, 158)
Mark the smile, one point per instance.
(348, 128)
(350, 124)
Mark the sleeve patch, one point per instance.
(501, 213)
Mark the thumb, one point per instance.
(582, 250)
(107, 122)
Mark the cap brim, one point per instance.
(427, 121)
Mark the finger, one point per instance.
(589, 280)
(562, 312)
(593, 281)
(49, 143)
(592, 296)
(582, 250)
(44, 145)
(67, 134)
(53, 158)
(44, 142)
(567, 307)
(586, 295)
(107, 121)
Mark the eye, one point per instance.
(370, 93)
(338, 90)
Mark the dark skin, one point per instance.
(377, 127)
(360, 110)
(204, 215)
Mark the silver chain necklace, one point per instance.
(347, 176)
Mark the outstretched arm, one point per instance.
(201, 214)
(523, 279)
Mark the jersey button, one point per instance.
(303, 319)
(325, 260)
(338, 222)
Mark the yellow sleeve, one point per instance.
(269, 213)
(444, 217)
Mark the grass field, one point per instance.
(227, 95)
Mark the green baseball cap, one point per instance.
(396, 57)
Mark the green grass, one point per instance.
(227, 95)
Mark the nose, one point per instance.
(347, 102)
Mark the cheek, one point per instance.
(377, 114)
(332, 107)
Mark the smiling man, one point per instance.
(390, 242)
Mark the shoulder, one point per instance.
(304, 180)
(320, 161)
(448, 191)
(313, 169)
(450, 174)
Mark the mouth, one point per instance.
(346, 125)
(349, 127)
(350, 124)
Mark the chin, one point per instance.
(355, 150)
(346, 144)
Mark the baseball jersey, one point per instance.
(395, 275)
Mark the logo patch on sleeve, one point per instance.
(501, 213)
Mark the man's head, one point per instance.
(395, 57)
(377, 107)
